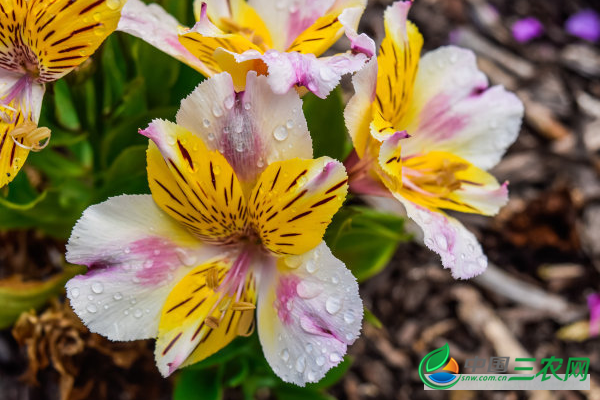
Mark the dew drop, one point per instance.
(442, 241)
(90, 297)
(138, 313)
(349, 317)
(280, 133)
(217, 111)
(289, 124)
(311, 376)
(133, 300)
(216, 170)
(118, 296)
(148, 264)
(471, 248)
(226, 130)
(113, 4)
(239, 147)
(482, 261)
(293, 262)
(229, 102)
(126, 312)
(301, 364)
(97, 287)
(91, 308)
(127, 250)
(75, 293)
(320, 360)
(333, 305)
(247, 106)
(309, 348)
(106, 306)
(211, 136)
(260, 163)
(308, 290)
(285, 355)
(335, 357)
(206, 123)
(429, 242)
(311, 266)
(349, 337)
(335, 279)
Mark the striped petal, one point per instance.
(251, 129)
(199, 317)
(454, 110)
(55, 36)
(398, 62)
(358, 111)
(294, 201)
(205, 37)
(309, 312)
(151, 23)
(135, 254)
(194, 185)
(20, 105)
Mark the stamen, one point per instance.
(243, 306)
(211, 322)
(246, 324)
(34, 138)
(212, 278)
(233, 27)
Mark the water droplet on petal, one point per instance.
(113, 4)
(301, 364)
(118, 296)
(75, 293)
(239, 147)
(320, 360)
(290, 123)
(335, 279)
(285, 355)
(216, 170)
(280, 133)
(206, 123)
(217, 111)
(333, 305)
(97, 287)
(311, 266)
(308, 290)
(211, 136)
(309, 348)
(349, 337)
(349, 317)
(127, 250)
(260, 163)
(482, 261)
(138, 313)
(442, 241)
(229, 102)
(90, 297)
(91, 308)
(335, 357)
(247, 106)
(311, 376)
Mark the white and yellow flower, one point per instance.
(425, 131)
(282, 40)
(40, 42)
(235, 221)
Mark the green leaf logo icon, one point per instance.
(437, 358)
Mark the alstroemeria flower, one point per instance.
(40, 42)
(425, 132)
(283, 40)
(237, 215)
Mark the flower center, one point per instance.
(433, 181)
(230, 26)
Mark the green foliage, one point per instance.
(365, 239)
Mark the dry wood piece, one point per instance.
(542, 119)
(468, 38)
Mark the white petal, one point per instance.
(286, 19)
(135, 253)
(319, 75)
(358, 110)
(251, 129)
(459, 249)
(458, 113)
(155, 26)
(20, 92)
(362, 43)
(308, 313)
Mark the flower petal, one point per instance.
(452, 183)
(294, 201)
(251, 129)
(319, 75)
(65, 33)
(195, 186)
(151, 23)
(398, 62)
(197, 320)
(205, 37)
(307, 316)
(455, 112)
(459, 249)
(358, 111)
(287, 19)
(135, 254)
(20, 103)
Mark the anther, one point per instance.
(211, 322)
(242, 306)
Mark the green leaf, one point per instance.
(126, 175)
(239, 347)
(17, 296)
(193, 384)
(437, 358)
(372, 319)
(326, 124)
(365, 239)
(64, 107)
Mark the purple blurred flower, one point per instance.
(593, 301)
(585, 25)
(526, 29)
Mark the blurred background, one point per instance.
(537, 299)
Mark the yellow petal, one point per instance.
(320, 36)
(398, 61)
(294, 201)
(64, 33)
(195, 186)
(12, 156)
(197, 321)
